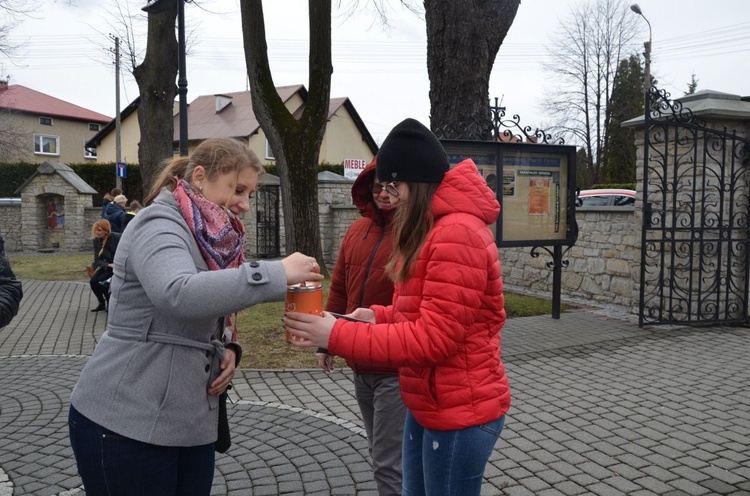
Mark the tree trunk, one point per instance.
(295, 143)
(463, 38)
(156, 84)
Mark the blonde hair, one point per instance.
(218, 156)
(411, 223)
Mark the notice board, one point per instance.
(534, 183)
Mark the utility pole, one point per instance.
(118, 137)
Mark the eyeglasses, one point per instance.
(389, 188)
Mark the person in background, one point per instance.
(105, 245)
(360, 280)
(135, 207)
(116, 214)
(443, 328)
(11, 291)
(107, 199)
(144, 414)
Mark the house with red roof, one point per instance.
(231, 115)
(37, 127)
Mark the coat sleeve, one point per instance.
(337, 294)
(159, 253)
(11, 292)
(445, 303)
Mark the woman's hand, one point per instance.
(325, 361)
(314, 330)
(298, 268)
(227, 374)
(363, 314)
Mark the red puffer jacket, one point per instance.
(359, 278)
(443, 328)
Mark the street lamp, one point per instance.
(157, 7)
(647, 51)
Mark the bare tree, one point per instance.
(463, 38)
(295, 140)
(12, 13)
(12, 137)
(585, 54)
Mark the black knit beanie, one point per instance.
(411, 153)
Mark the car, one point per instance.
(605, 198)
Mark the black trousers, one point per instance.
(101, 293)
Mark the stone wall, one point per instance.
(335, 210)
(336, 214)
(10, 226)
(603, 264)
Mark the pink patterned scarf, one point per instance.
(219, 233)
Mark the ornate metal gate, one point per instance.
(695, 251)
(267, 228)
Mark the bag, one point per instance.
(224, 440)
(90, 270)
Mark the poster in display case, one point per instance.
(534, 183)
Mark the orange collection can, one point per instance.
(306, 298)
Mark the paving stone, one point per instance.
(599, 407)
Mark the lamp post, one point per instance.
(646, 53)
(157, 7)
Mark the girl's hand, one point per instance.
(301, 268)
(227, 367)
(325, 361)
(364, 314)
(314, 330)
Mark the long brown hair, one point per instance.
(411, 223)
(217, 156)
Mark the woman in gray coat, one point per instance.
(144, 414)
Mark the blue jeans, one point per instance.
(110, 464)
(447, 463)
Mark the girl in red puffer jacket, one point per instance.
(442, 329)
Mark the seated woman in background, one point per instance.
(105, 245)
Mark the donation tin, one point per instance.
(304, 298)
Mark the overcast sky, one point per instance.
(383, 71)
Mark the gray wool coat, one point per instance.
(148, 376)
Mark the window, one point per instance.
(269, 152)
(45, 121)
(93, 127)
(46, 145)
(88, 152)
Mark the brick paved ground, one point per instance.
(599, 407)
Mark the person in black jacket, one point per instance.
(108, 197)
(105, 245)
(115, 213)
(135, 207)
(11, 291)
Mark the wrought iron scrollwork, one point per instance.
(661, 108)
(695, 250)
(561, 261)
(496, 127)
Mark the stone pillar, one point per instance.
(697, 186)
